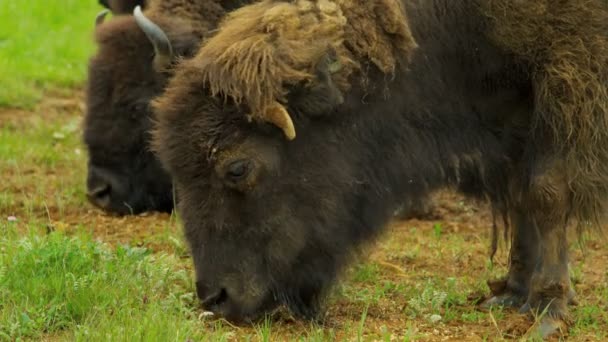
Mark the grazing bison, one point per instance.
(127, 71)
(295, 131)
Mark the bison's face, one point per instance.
(269, 221)
(124, 176)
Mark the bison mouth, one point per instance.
(240, 315)
(278, 306)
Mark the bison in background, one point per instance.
(503, 100)
(132, 66)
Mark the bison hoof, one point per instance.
(550, 326)
(507, 299)
(505, 295)
(552, 321)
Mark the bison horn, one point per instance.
(101, 16)
(277, 115)
(162, 46)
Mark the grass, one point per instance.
(49, 152)
(43, 45)
(51, 284)
(69, 272)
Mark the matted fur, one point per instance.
(566, 42)
(263, 48)
(200, 16)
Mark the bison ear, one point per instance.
(321, 96)
(163, 51)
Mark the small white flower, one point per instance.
(12, 219)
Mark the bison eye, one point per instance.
(238, 170)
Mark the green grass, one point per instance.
(76, 286)
(43, 45)
(42, 164)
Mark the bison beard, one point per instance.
(501, 100)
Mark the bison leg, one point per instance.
(547, 203)
(513, 291)
(550, 284)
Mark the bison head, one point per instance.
(129, 69)
(270, 221)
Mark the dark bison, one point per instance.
(297, 129)
(122, 6)
(127, 71)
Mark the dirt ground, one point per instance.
(453, 245)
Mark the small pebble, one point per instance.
(12, 219)
(435, 318)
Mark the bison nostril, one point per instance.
(215, 299)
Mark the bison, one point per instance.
(286, 163)
(131, 66)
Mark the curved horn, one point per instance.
(277, 115)
(162, 46)
(101, 16)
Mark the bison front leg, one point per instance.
(514, 289)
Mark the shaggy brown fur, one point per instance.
(567, 44)
(263, 48)
(200, 16)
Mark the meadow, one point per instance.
(71, 272)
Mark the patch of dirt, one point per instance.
(55, 106)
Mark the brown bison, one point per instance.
(295, 131)
(131, 66)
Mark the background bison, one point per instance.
(127, 71)
(501, 100)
